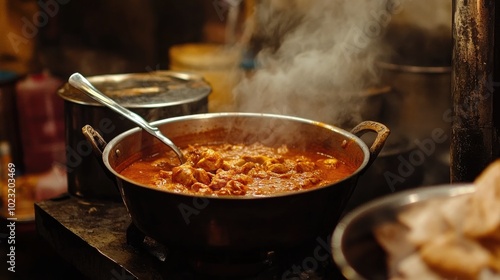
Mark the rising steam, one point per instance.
(315, 58)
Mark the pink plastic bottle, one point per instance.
(41, 120)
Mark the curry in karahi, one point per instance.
(238, 170)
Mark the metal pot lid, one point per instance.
(143, 90)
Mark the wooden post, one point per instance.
(474, 139)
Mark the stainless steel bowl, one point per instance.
(354, 248)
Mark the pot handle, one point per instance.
(98, 144)
(382, 134)
(95, 139)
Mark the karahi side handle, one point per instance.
(98, 144)
(382, 133)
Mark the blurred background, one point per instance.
(340, 62)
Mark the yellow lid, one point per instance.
(204, 56)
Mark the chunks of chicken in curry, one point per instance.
(237, 170)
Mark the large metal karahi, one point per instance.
(154, 96)
(228, 225)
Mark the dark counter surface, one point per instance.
(91, 235)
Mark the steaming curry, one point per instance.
(238, 170)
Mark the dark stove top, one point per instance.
(98, 238)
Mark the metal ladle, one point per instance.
(81, 83)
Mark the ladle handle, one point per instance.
(80, 82)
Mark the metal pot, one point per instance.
(154, 96)
(422, 96)
(240, 224)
